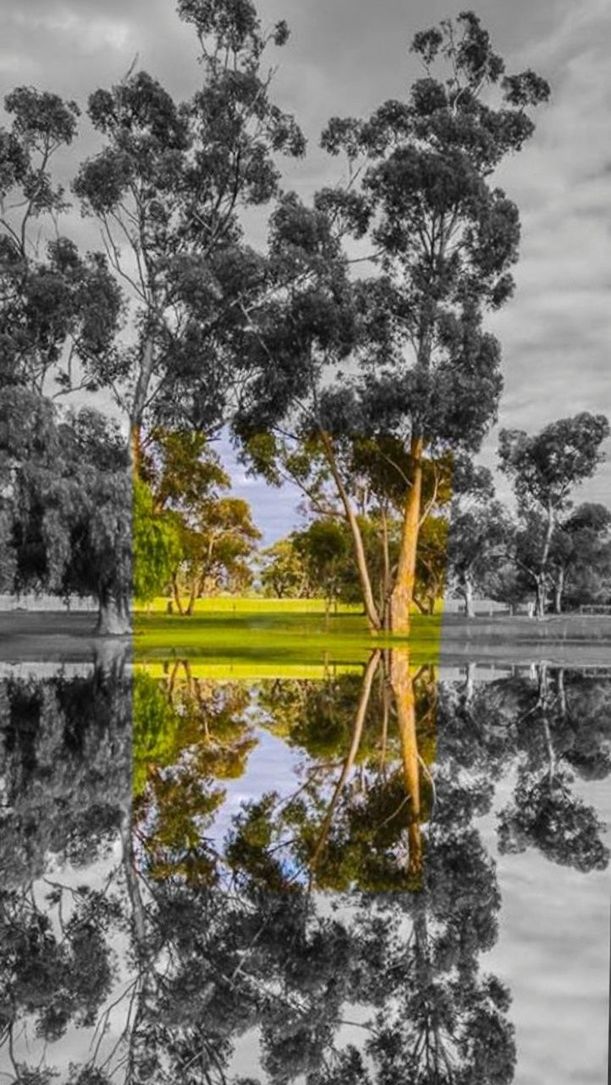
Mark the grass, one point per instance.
(262, 635)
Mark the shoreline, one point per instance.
(563, 641)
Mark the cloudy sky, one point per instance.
(344, 57)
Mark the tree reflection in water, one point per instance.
(337, 928)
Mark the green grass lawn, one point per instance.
(250, 637)
(266, 634)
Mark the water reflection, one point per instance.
(281, 881)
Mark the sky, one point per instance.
(345, 57)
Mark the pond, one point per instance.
(366, 872)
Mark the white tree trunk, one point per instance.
(114, 619)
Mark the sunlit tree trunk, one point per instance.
(371, 610)
(176, 595)
(403, 689)
(403, 592)
(386, 574)
(192, 596)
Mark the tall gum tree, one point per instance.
(421, 190)
(544, 468)
(168, 189)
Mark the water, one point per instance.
(383, 873)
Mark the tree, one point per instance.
(480, 538)
(580, 555)
(66, 510)
(219, 934)
(189, 737)
(168, 189)
(58, 737)
(59, 313)
(156, 544)
(213, 533)
(544, 811)
(443, 239)
(544, 469)
(282, 571)
(217, 546)
(431, 563)
(323, 547)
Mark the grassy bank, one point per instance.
(256, 631)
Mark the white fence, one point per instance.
(487, 606)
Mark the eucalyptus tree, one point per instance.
(59, 310)
(544, 469)
(480, 540)
(580, 556)
(168, 188)
(190, 493)
(560, 730)
(442, 237)
(445, 238)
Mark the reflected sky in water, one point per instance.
(385, 872)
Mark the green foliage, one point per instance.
(212, 534)
(156, 544)
(282, 571)
(188, 736)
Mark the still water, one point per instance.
(372, 874)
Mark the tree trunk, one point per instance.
(403, 592)
(138, 912)
(192, 598)
(371, 610)
(559, 592)
(176, 594)
(357, 732)
(468, 597)
(469, 684)
(542, 579)
(135, 448)
(143, 381)
(541, 603)
(403, 689)
(385, 586)
(114, 618)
